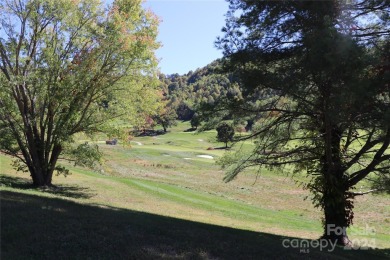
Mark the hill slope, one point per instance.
(159, 199)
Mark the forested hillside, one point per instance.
(204, 87)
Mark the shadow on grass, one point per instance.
(222, 148)
(192, 129)
(34, 227)
(148, 133)
(60, 190)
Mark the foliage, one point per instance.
(225, 133)
(85, 155)
(144, 123)
(69, 67)
(195, 121)
(199, 90)
(315, 76)
(166, 118)
(166, 114)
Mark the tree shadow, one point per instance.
(140, 133)
(34, 227)
(219, 148)
(15, 182)
(192, 129)
(222, 148)
(69, 191)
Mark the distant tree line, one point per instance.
(193, 97)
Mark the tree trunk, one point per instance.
(37, 177)
(42, 173)
(335, 202)
(42, 179)
(338, 213)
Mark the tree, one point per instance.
(69, 67)
(144, 124)
(166, 118)
(195, 121)
(184, 111)
(317, 74)
(166, 115)
(225, 133)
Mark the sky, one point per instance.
(187, 32)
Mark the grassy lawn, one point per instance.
(159, 199)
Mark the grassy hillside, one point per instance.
(159, 199)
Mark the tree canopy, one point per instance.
(189, 93)
(69, 67)
(225, 133)
(316, 76)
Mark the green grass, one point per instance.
(151, 202)
(40, 227)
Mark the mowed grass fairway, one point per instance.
(159, 199)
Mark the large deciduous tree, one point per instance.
(166, 115)
(317, 75)
(69, 67)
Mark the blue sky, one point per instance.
(187, 32)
